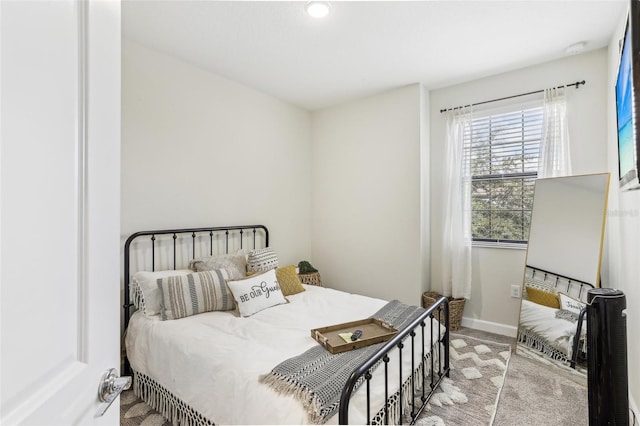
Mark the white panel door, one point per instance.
(59, 209)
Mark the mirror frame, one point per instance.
(558, 232)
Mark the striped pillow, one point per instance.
(262, 260)
(186, 295)
(144, 290)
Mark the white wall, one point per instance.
(367, 195)
(200, 150)
(622, 238)
(495, 270)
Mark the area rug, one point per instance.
(134, 412)
(468, 397)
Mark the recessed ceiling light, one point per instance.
(575, 48)
(318, 9)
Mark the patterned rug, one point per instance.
(468, 397)
(134, 412)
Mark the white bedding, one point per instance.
(541, 321)
(213, 361)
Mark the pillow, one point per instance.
(542, 297)
(262, 260)
(257, 292)
(144, 289)
(235, 263)
(567, 315)
(186, 295)
(539, 284)
(289, 280)
(568, 303)
(135, 295)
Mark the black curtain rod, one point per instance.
(577, 84)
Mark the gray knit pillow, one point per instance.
(235, 263)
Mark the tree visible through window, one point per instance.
(503, 150)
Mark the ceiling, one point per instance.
(365, 47)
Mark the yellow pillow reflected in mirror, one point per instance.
(543, 297)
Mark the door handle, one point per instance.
(111, 385)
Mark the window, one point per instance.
(503, 150)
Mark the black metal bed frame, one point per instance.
(215, 230)
(570, 281)
(430, 377)
(398, 341)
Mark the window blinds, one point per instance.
(503, 150)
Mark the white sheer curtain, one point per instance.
(456, 190)
(555, 158)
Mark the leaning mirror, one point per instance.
(563, 262)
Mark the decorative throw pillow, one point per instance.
(235, 263)
(542, 297)
(567, 315)
(257, 292)
(262, 260)
(144, 291)
(539, 284)
(289, 280)
(135, 295)
(195, 293)
(568, 303)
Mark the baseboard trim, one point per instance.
(490, 327)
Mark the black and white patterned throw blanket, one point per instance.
(317, 376)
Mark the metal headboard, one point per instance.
(558, 279)
(183, 234)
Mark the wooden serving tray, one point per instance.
(373, 331)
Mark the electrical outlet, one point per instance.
(515, 291)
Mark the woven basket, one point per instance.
(456, 307)
(311, 279)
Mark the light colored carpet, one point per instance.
(578, 374)
(535, 395)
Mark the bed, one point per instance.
(552, 316)
(225, 367)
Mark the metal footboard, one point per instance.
(430, 377)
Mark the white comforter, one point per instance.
(213, 361)
(542, 321)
